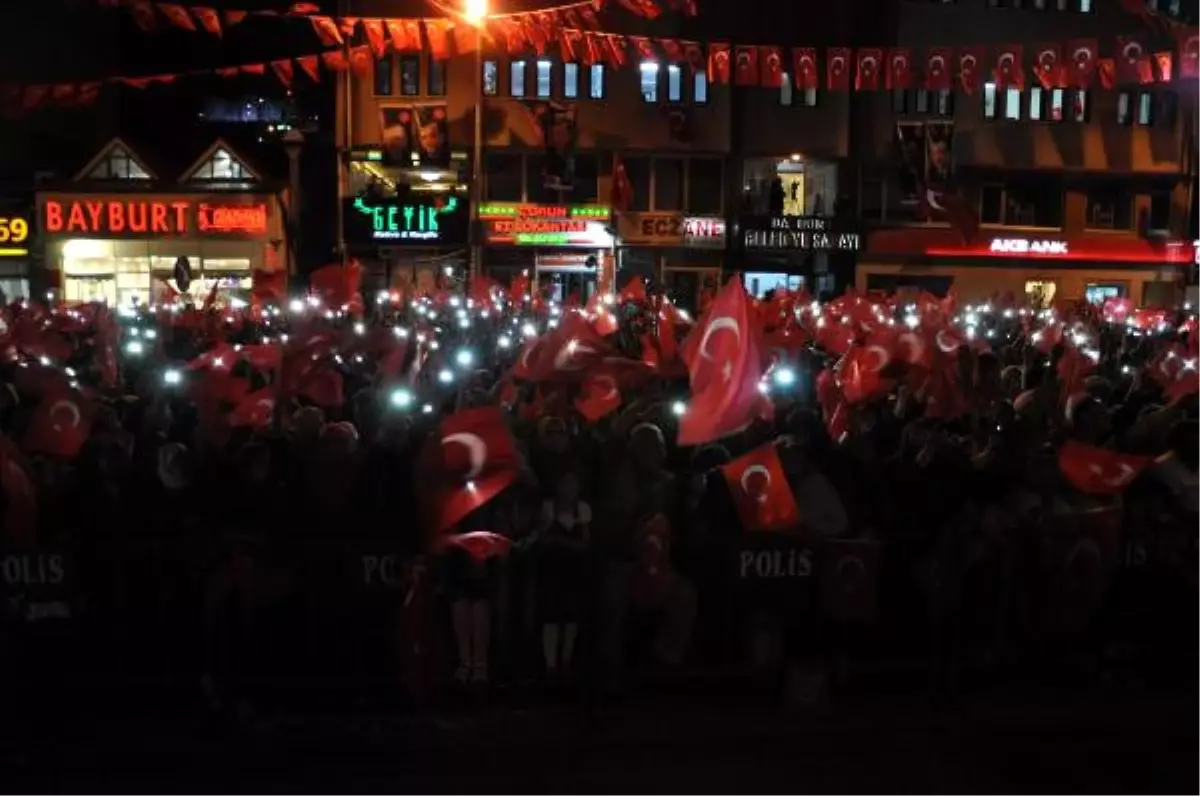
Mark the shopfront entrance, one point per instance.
(681, 253)
(567, 248)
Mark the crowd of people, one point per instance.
(482, 484)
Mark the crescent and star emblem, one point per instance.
(721, 322)
(947, 342)
(837, 63)
(1005, 62)
(931, 199)
(936, 64)
(1132, 51)
(868, 63)
(806, 63)
(476, 451)
(881, 357)
(66, 406)
(563, 360)
(1047, 59)
(609, 383)
(761, 497)
(966, 64)
(913, 343)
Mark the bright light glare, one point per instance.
(172, 377)
(445, 376)
(464, 358)
(134, 347)
(402, 398)
(529, 330)
(296, 305)
(504, 341)
(678, 408)
(784, 377)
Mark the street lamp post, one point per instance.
(476, 13)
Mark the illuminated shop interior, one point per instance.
(370, 175)
(125, 271)
(793, 186)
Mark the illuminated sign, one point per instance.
(395, 220)
(546, 225)
(14, 233)
(671, 229)
(799, 233)
(1028, 246)
(126, 217)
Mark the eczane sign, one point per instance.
(1028, 246)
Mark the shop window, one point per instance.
(921, 100)
(118, 164)
(1012, 103)
(543, 78)
(1157, 293)
(596, 77)
(1084, 6)
(1031, 203)
(989, 100)
(491, 78)
(221, 166)
(807, 98)
(1036, 98)
(1159, 217)
(587, 171)
(899, 101)
(1040, 293)
(1108, 207)
(516, 79)
(705, 186)
(1081, 108)
(668, 184)
(1124, 111)
(383, 76)
(570, 81)
(437, 77)
(638, 172)
(674, 83)
(648, 72)
(944, 103)
(1145, 108)
(1095, 293)
(410, 76)
(504, 173)
(700, 87)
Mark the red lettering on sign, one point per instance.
(116, 217)
(54, 219)
(95, 212)
(76, 220)
(158, 218)
(137, 217)
(181, 224)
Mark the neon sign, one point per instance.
(14, 232)
(546, 225)
(410, 221)
(1027, 246)
(121, 217)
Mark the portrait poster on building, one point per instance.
(939, 154)
(556, 125)
(910, 160)
(430, 133)
(395, 135)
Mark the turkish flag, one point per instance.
(866, 77)
(970, 60)
(745, 73)
(938, 68)
(479, 545)
(760, 491)
(1132, 63)
(323, 386)
(327, 31)
(209, 19)
(178, 15)
(565, 352)
(645, 48)
(337, 285)
(361, 61)
(724, 367)
(718, 63)
(858, 373)
(60, 424)
(469, 460)
(1010, 66)
(770, 60)
(849, 575)
(1098, 471)
(375, 36)
(837, 68)
(953, 208)
(1188, 44)
(1048, 66)
(1081, 62)
(254, 410)
(672, 50)
(1174, 368)
(634, 291)
(598, 396)
(1106, 70)
(693, 53)
(437, 31)
(899, 74)
(1165, 66)
(804, 68)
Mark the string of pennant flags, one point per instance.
(356, 43)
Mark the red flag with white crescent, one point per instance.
(760, 491)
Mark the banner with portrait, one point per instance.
(910, 160)
(939, 154)
(430, 134)
(395, 125)
(555, 123)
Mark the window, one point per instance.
(410, 75)
(437, 77)
(1039, 292)
(674, 83)
(989, 100)
(899, 101)
(503, 179)
(705, 185)
(596, 81)
(1095, 293)
(1034, 202)
(587, 171)
(1080, 109)
(1124, 114)
(808, 98)
(118, 165)
(224, 167)
(543, 79)
(1159, 217)
(668, 184)
(491, 79)
(700, 87)
(1012, 103)
(649, 77)
(1035, 103)
(1108, 207)
(383, 76)
(516, 79)
(1168, 108)
(921, 101)
(1085, 6)
(1055, 113)
(638, 172)
(1145, 108)
(785, 90)
(571, 81)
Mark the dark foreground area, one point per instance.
(1065, 741)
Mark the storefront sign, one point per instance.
(129, 217)
(671, 229)
(14, 234)
(400, 221)
(803, 233)
(545, 225)
(1029, 246)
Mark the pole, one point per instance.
(476, 267)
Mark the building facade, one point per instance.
(1079, 193)
(708, 169)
